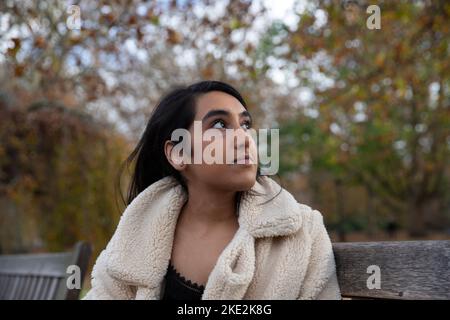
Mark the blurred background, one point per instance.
(363, 113)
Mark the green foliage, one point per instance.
(384, 119)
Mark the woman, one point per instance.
(211, 231)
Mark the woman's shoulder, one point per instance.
(312, 220)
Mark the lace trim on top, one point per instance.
(187, 282)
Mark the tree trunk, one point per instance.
(340, 210)
(416, 218)
(371, 213)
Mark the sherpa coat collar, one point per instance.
(139, 252)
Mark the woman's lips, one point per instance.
(246, 160)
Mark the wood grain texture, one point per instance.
(408, 269)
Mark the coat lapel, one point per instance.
(140, 249)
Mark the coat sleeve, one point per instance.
(105, 287)
(320, 281)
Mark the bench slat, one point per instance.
(21, 287)
(41, 276)
(53, 285)
(408, 269)
(8, 286)
(29, 291)
(37, 290)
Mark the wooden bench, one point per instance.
(407, 269)
(41, 276)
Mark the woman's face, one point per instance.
(235, 164)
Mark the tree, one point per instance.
(382, 96)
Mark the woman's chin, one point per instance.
(244, 183)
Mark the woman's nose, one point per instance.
(242, 139)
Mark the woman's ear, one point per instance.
(175, 160)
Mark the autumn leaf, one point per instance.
(173, 36)
(40, 42)
(13, 51)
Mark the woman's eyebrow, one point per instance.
(245, 113)
(221, 112)
(215, 112)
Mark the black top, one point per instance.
(179, 288)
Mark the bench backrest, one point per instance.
(407, 269)
(41, 276)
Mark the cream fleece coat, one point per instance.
(281, 249)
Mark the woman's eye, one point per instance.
(247, 125)
(219, 124)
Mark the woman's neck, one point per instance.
(208, 206)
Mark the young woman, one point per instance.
(211, 231)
